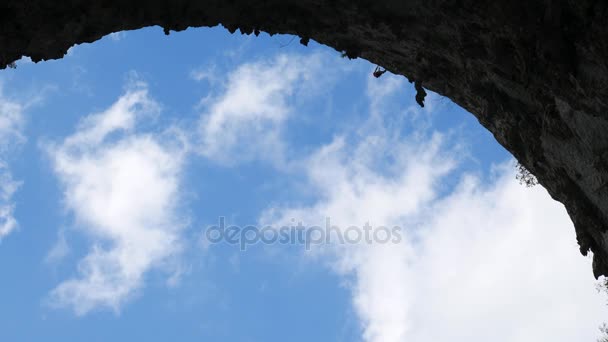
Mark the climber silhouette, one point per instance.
(378, 72)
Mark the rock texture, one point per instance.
(534, 72)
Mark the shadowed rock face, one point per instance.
(534, 72)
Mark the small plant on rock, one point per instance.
(524, 176)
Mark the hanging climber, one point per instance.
(420, 93)
(378, 72)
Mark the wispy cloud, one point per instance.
(246, 120)
(11, 136)
(59, 250)
(208, 73)
(8, 186)
(123, 188)
(478, 261)
(117, 36)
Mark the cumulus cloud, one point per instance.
(122, 187)
(479, 261)
(246, 120)
(11, 135)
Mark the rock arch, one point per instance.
(535, 73)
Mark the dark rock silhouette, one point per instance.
(535, 72)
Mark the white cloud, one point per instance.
(500, 262)
(356, 186)
(494, 261)
(246, 121)
(11, 136)
(123, 188)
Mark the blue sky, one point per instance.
(117, 159)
